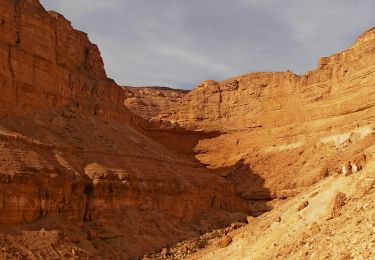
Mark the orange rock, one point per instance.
(148, 102)
(225, 241)
(303, 205)
(70, 149)
(142, 168)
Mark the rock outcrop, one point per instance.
(71, 152)
(148, 102)
(283, 132)
(122, 171)
(340, 85)
(46, 63)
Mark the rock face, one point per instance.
(339, 86)
(71, 152)
(122, 172)
(283, 132)
(148, 102)
(46, 63)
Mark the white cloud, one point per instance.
(77, 8)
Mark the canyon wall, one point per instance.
(124, 171)
(340, 85)
(281, 131)
(148, 102)
(46, 63)
(71, 152)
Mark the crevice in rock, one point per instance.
(88, 192)
(17, 21)
(10, 61)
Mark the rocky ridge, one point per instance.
(267, 100)
(148, 102)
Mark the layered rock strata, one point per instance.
(148, 102)
(71, 152)
(281, 131)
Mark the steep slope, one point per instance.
(148, 102)
(75, 162)
(333, 219)
(337, 222)
(288, 130)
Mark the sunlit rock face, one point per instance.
(71, 151)
(125, 171)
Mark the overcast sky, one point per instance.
(179, 43)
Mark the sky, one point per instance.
(180, 43)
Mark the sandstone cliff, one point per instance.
(91, 169)
(288, 130)
(283, 140)
(268, 100)
(71, 152)
(148, 102)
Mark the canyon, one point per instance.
(93, 170)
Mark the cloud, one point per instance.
(78, 8)
(180, 43)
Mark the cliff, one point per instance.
(286, 141)
(92, 169)
(148, 102)
(268, 100)
(289, 130)
(71, 152)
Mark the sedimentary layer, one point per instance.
(72, 152)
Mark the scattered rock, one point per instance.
(201, 243)
(303, 205)
(354, 167)
(346, 169)
(338, 202)
(237, 225)
(42, 231)
(165, 252)
(250, 219)
(225, 241)
(184, 249)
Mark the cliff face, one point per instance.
(81, 155)
(46, 63)
(148, 102)
(71, 152)
(284, 141)
(268, 100)
(289, 130)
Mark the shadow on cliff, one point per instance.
(248, 184)
(181, 141)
